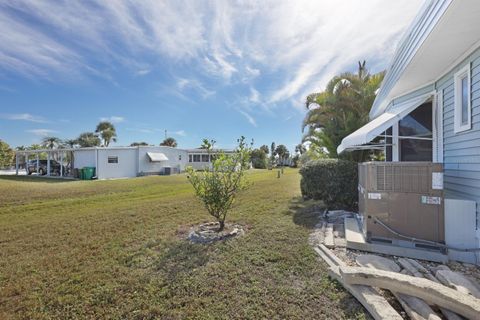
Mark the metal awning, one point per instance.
(157, 156)
(380, 124)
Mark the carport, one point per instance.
(63, 157)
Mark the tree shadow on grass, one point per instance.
(305, 212)
(182, 258)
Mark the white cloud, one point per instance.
(143, 72)
(23, 117)
(249, 118)
(184, 85)
(294, 46)
(113, 119)
(180, 133)
(254, 95)
(42, 132)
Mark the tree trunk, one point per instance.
(222, 225)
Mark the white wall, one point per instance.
(199, 165)
(84, 158)
(460, 216)
(125, 168)
(177, 159)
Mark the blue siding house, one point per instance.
(428, 107)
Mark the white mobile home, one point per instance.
(428, 109)
(117, 162)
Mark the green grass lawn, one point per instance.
(117, 250)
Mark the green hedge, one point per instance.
(332, 180)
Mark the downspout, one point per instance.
(96, 161)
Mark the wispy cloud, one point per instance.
(294, 47)
(143, 72)
(23, 117)
(249, 118)
(42, 132)
(180, 133)
(254, 95)
(141, 130)
(184, 85)
(113, 119)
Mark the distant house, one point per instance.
(428, 107)
(125, 162)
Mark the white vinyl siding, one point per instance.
(461, 150)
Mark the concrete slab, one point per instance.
(432, 292)
(328, 241)
(356, 241)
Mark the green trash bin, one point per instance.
(81, 174)
(88, 173)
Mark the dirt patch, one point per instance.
(209, 232)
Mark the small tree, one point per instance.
(258, 158)
(6, 155)
(265, 149)
(218, 186)
(272, 154)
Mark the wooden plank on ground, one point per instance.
(463, 304)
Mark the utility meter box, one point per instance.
(407, 197)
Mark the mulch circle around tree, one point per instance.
(208, 232)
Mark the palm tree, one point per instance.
(70, 143)
(169, 142)
(88, 139)
(107, 132)
(282, 153)
(51, 142)
(340, 110)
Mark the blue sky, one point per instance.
(215, 69)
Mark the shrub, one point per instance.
(7, 155)
(333, 181)
(219, 185)
(258, 157)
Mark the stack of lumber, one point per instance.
(443, 295)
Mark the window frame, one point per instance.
(112, 157)
(458, 95)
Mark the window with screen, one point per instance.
(418, 126)
(112, 159)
